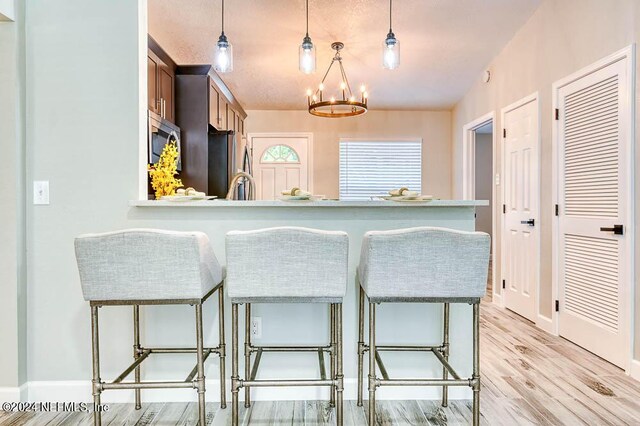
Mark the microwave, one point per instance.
(161, 132)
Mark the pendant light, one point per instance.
(307, 52)
(223, 60)
(391, 47)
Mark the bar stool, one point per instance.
(151, 267)
(437, 266)
(287, 265)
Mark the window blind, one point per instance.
(372, 168)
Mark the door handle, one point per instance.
(530, 222)
(617, 229)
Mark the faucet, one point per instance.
(234, 182)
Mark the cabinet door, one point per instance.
(223, 113)
(231, 119)
(214, 111)
(152, 82)
(166, 81)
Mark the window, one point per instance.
(372, 168)
(280, 154)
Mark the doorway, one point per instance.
(521, 211)
(478, 180)
(281, 162)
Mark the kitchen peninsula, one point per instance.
(420, 322)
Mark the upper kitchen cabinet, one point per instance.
(161, 81)
(195, 82)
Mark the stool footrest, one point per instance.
(436, 350)
(144, 354)
(287, 382)
(424, 382)
(146, 385)
(326, 348)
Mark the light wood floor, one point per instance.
(529, 378)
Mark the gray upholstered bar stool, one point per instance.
(151, 267)
(287, 265)
(438, 266)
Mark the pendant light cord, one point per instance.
(222, 16)
(390, 12)
(307, 18)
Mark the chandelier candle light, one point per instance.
(345, 105)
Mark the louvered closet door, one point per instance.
(594, 179)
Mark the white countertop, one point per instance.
(318, 203)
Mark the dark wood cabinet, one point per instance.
(161, 75)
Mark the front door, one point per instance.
(521, 197)
(595, 181)
(280, 163)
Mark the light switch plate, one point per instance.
(41, 192)
(497, 178)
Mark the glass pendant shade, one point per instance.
(307, 53)
(391, 52)
(223, 60)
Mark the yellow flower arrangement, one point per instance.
(163, 173)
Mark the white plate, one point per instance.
(420, 199)
(295, 197)
(183, 198)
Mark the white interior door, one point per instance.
(280, 163)
(521, 198)
(594, 144)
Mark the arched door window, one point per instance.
(280, 154)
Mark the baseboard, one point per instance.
(634, 369)
(496, 298)
(9, 394)
(80, 391)
(545, 323)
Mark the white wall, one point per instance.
(434, 127)
(562, 37)
(12, 193)
(83, 136)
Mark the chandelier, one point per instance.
(346, 104)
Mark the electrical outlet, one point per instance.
(41, 192)
(256, 327)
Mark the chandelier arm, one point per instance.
(325, 76)
(345, 79)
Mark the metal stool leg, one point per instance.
(476, 364)
(136, 350)
(202, 412)
(339, 375)
(372, 364)
(223, 392)
(445, 354)
(332, 354)
(247, 352)
(95, 352)
(234, 364)
(360, 344)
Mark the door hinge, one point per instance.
(504, 208)
(504, 283)
(557, 210)
(504, 133)
(557, 306)
(557, 114)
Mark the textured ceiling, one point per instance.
(445, 45)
